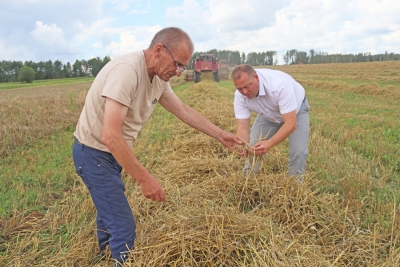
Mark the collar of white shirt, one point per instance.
(261, 81)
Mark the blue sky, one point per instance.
(67, 30)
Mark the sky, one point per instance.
(67, 30)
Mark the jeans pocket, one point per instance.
(80, 170)
(105, 160)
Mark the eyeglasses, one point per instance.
(178, 69)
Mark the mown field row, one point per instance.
(345, 214)
(14, 85)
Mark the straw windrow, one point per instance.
(215, 215)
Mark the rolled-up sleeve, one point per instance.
(240, 106)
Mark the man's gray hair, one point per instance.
(172, 37)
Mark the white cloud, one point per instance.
(139, 11)
(97, 45)
(49, 35)
(334, 26)
(98, 30)
(15, 53)
(76, 29)
(129, 41)
(46, 28)
(392, 38)
(124, 4)
(192, 17)
(141, 8)
(243, 15)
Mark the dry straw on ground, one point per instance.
(361, 78)
(215, 215)
(30, 113)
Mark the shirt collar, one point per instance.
(261, 89)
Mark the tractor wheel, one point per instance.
(216, 76)
(196, 77)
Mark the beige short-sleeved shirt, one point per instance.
(123, 79)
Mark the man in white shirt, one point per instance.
(282, 113)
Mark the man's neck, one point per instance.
(149, 63)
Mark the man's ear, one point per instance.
(256, 76)
(157, 49)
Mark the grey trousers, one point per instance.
(298, 140)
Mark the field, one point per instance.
(345, 214)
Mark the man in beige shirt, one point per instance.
(119, 102)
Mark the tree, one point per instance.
(301, 57)
(269, 57)
(106, 59)
(67, 70)
(48, 69)
(40, 71)
(243, 58)
(26, 74)
(95, 65)
(292, 56)
(235, 58)
(9, 70)
(57, 69)
(77, 69)
(286, 58)
(312, 54)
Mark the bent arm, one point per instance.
(243, 129)
(194, 119)
(289, 126)
(114, 117)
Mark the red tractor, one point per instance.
(208, 63)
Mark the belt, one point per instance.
(77, 141)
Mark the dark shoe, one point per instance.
(124, 258)
(99, 257)
(102, 252)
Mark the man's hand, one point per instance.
(261, 147)
(229, 140)
(242, 150)
(151, 189)
(287, 129)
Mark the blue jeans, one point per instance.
(298, 140)
(101, 174)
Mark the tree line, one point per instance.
(293, 56)
(234, 58)
(10, 70)
(314, 57)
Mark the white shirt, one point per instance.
(278, 94)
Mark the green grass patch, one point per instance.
(37, 175)
(358, 82)
(14, 85)
(365, 125)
